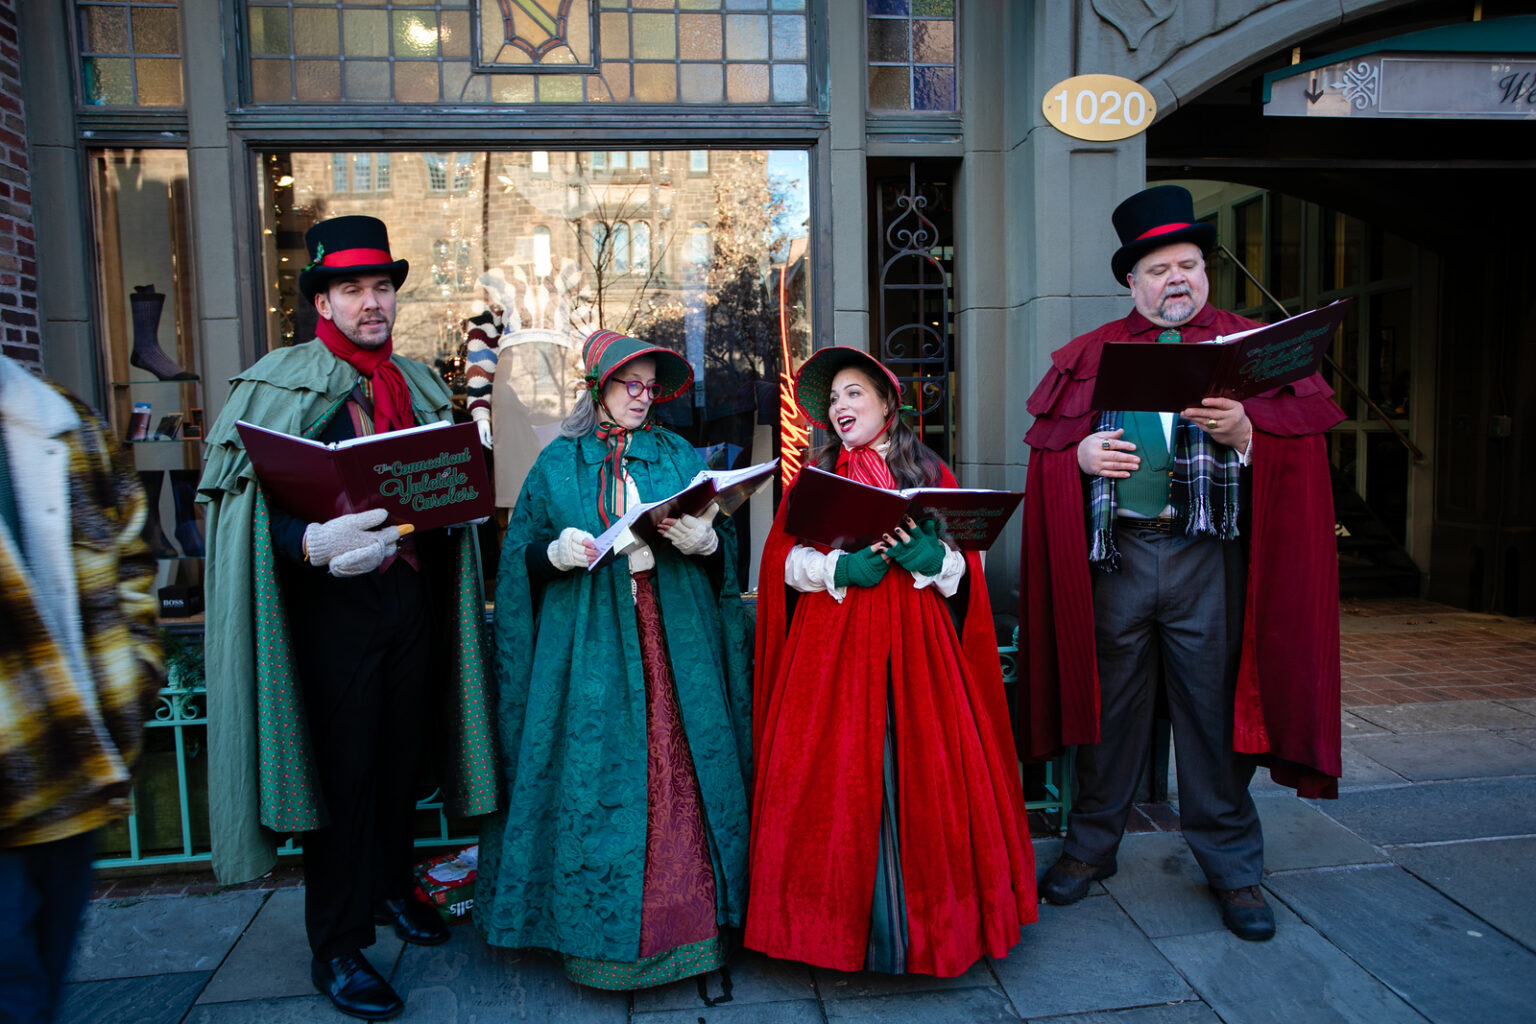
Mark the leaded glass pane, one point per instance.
(654, 36)
(656, 83)
(316, 33)
(701, 83)
(651, 51)
(700, 36)
(339, 182)
(746, 83)
(362, 172)
(155, 31)
(364, 34)
(746, 37)
(366, 79)
(453, 34)
(416, 82)
(159, 81)
(933, 88)
(890, 88)
(104, 30)
(789, 83)
(271, 81)
(108, 81)
(317, 81)
(911, 55)
(381, 172)
(414, 34)
(933, 42)
(788, 38)
(888, 40)
(269, 32)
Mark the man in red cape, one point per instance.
(1226, 578)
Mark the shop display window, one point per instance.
(146, 288)
(516, 256)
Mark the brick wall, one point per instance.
(18, 252)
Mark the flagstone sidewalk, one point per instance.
(1410, 898)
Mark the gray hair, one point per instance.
(582, 419)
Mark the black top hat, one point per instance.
(347, 247)
(1153, 218)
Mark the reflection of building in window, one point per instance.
(360, 172)
(541, 260)
(538, 162)
(620, 244)
(640, 247)
(698, 243)
(449, 171)
(618, 161)
(452, 265)
(698, 161)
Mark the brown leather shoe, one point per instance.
(1068, 879)
(1245, 913)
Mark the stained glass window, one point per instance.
(912, 61)
(529, 51)
(129, 52)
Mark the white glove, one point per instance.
(484, 426)
(569, 550)
(350, 545)
(693, 536)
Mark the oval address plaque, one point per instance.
(1100, 108)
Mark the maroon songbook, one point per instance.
(1147, 377)
(429, 476)
(829, 509)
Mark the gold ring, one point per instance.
(1210, 424)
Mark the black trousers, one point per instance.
(363, 649)
(43, 889)
(1174, 611)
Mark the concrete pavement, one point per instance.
(1410, 898)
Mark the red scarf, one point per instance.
(865, 465)
(391, 397)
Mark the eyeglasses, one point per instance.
(637, 388)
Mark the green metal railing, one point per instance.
(1053, 784)
(168, 820)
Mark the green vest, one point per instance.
(1145, 492)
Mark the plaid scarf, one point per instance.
(610, 475)
(1204, 492)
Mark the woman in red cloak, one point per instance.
(888, 828)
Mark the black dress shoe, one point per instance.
(355, 988)
(414, 921)
(1245, 913)
(1067, 880)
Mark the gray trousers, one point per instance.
(1174, 611)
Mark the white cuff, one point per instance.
(809, 570)
(947, 582)
(1245, 457)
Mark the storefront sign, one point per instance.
(1421, 86)
(1099, 108)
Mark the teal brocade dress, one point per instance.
(623, 716)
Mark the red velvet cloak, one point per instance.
(1287, 706)
(818, 736)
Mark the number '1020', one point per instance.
(1108, 107)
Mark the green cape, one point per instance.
(261, 778)
(563, 867)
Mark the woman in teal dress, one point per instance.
(624, 701)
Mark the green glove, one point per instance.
(862, 568)
(923, 553)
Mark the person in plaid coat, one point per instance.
(80, 667)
